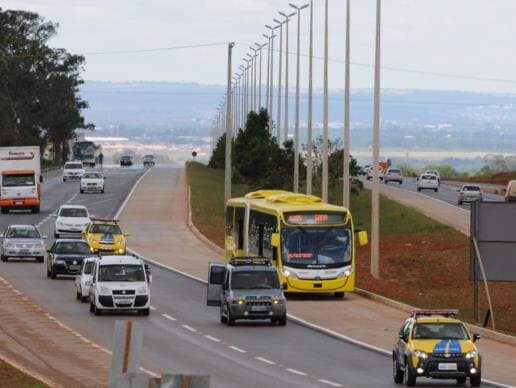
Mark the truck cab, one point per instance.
(246, 288)
(20, 178)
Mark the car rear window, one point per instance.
(471, 188)
(429, 177)
(394, 171)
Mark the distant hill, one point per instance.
(411, 119)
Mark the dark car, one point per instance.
(126, 160)
(66, 256)
(148, 161)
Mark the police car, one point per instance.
(433, 343)
(246, 288)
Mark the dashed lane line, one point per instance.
(211, 338)
(153, 308)
(296, 372)
(264, 360)
(189, 328)
(331, 383)
(168, 317)
(237, 349)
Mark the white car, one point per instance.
(72, 171)
(71, 219)
(83, 281)
(119, 283)
(428, 182)
(92, 181)
(22, 241)
(436, 173)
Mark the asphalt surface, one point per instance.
(183, 335)
(446, 193)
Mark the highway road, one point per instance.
(182, 334)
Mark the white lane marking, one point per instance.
(72, 198)
(265, 360)
(211, 338)
(328, 382)
(124, 204)
(168, 317)
(237, 349)
(189, 328)
(297, 372)
(153, 308)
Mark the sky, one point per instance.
(472, 41)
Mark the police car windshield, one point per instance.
(316, 247)
(439, 331)
(248, 280)
(72, 248)
(121, 273)
(105, 228)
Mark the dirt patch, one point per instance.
(12, 377)
(432, 271)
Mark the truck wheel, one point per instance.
(283, 320)
(397, 373)
(3, 257)
(231, 320)
(96, 310)
(339, 295)
(418, 189)
(223, 319)
(82, 191)
(409, 376)
(475, 381)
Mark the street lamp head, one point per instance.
(286, 16)
(277, 21)
(266, 36)
(269, 27)
(298, 8)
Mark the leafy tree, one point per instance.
(39, 100)
(218, 156)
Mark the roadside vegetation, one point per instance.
(13, 378)
(423, 262)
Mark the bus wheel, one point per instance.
(339, 295)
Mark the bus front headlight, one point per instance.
(287, 272)
(345, 272)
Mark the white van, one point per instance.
(119, 283)
(510, 191)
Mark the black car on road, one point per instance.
(66, 256)
(126, 160)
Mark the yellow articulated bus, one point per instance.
(310, 242)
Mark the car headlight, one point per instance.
(104, 290)
(9, 245)
(121, 250)
(278, 301)
(93, 241)
(420, 354)
(288, 273)
(142, 290)
(238, 301)
(38, 245)
(471, 354)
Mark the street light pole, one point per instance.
(325, 110)
(242, 93)
(271, 86)
(252, 82)
(287, 19)
(375, 194)
(268, 72)
(227, 172)
(309, 156)
(255, 100)
(278, 116)
(260, 47)
(296, 135)
(345, 178)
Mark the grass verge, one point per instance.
(422, 262)
(13, 378)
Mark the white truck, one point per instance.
(20, 178)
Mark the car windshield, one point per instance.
(439, 331)
(394, 171)
(92, 175)
(247, 280)
(105, 228)
(88, 266)
(471, 188)
(18, 180)
(316, 247)
(126, 158)
(73, 166)
(73, 212)
(21, 232)
(121, 273)
(72, 247)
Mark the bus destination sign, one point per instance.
(315, 218)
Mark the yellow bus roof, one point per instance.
(282, 200)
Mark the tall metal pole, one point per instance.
(278, 116)
(271, 88)
(309, 156)
(345, 178)
(260, 47)
(255, 67)
(375, 195)
(287, 19)
(227, 172)
(296, 134)
(268, 71)
(251, 82)
(325, 110)
(242, 91)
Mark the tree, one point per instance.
(39, 100)
(218, 156)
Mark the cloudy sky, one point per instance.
(472, 41)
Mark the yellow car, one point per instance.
(105, 237)
(434, 344)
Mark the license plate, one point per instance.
(24, 251)
(74, 267)
(18, 202)
(259, 308)
(105, 247)
(447, 366)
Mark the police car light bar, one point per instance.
(429, 312)
(249, 261)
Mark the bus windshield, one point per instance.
(308, 247)
(18, 180)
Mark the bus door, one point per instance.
(216, 274)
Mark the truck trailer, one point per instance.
(20, 178)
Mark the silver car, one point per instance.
(469, 193)
(22, 241)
